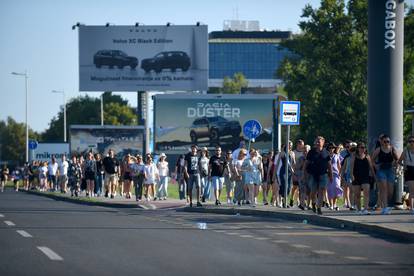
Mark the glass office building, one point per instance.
(255, 54)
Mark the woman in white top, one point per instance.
(162, 188)
(43, 177)
(257, 172)
(151, 176)
(407, 159)
(239, 188)
(205, 183)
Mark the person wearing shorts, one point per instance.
(318, 171)
(407, 159)
(111, 167)
(192, 172)
(216, 167)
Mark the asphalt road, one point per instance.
(40, 236)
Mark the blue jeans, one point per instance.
(98, 184)
(162, 187)
(206, 187)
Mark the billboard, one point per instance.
(142, 58)
(210, 120)
(45, 151)
(122, 139)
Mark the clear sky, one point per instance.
(36, 36)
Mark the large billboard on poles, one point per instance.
(129, 58)
(209, 120)
(122, 139)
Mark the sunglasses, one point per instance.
(386, 141)
(411, 141)
(362, 147)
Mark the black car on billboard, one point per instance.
(113, 58)
(213, 128)
(172, 60)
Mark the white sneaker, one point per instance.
(228, 201)
(255, 200)
(365, 212)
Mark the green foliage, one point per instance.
(234, 85)
(85, 110)
(13, 141)
(327, 71)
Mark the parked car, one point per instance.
(172, 60)
(213, 128)
(113, 58)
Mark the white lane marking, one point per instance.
(299, 246)
(246, 236)
(24, 234)
(50, 253)
(9, 223)
(231, 233)
(261, 238)
(152, 206)
(1, 216)
(219, 231)
(323, 252)
(279, 241)
(356, 258)
(383, 263)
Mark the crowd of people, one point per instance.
(309, 177)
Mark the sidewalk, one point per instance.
(398, 225)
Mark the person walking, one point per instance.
(74, 176)
(111, 167)
(346, 179)
(334, 187)
(43, 177)
(192, 173)
(229, 178)
(138, 176)
(4, 177)
(257, 173)
(127, 171)
(162, 189)
(239, 194)
(267, 166)
(151, 177)
(318, 171)
(52, 170)
(407, 160)
(217, 165)
(385, 156)
(63, 174)
(100, 172)
(205, 182)
(90, 173)
(281, 165)
(361, 166)
(180, 177)
(298, 151)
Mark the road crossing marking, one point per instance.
(1, 216)
(261, 238)
(50, 253)
(9, 223)
(246, 236)
(323, 252)
(24, 234)
(279, 241)
(219, 231)
(143, 206)
(231, 233)
(383, 263)
(356, 258)
(299, 246)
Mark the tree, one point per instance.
(85, 110)
(235, 84)
(327, 70)
(13, 141)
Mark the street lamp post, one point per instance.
(27, 110)
(64, 112)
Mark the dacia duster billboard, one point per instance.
(209, 120)
(129, 58)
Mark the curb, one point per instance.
(84, 202)
(373, 230)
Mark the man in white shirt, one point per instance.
(52, 169)
(63, 174)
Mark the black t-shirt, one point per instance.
(192, 163)
(110, 165)
(318, 162)
(218, 164)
